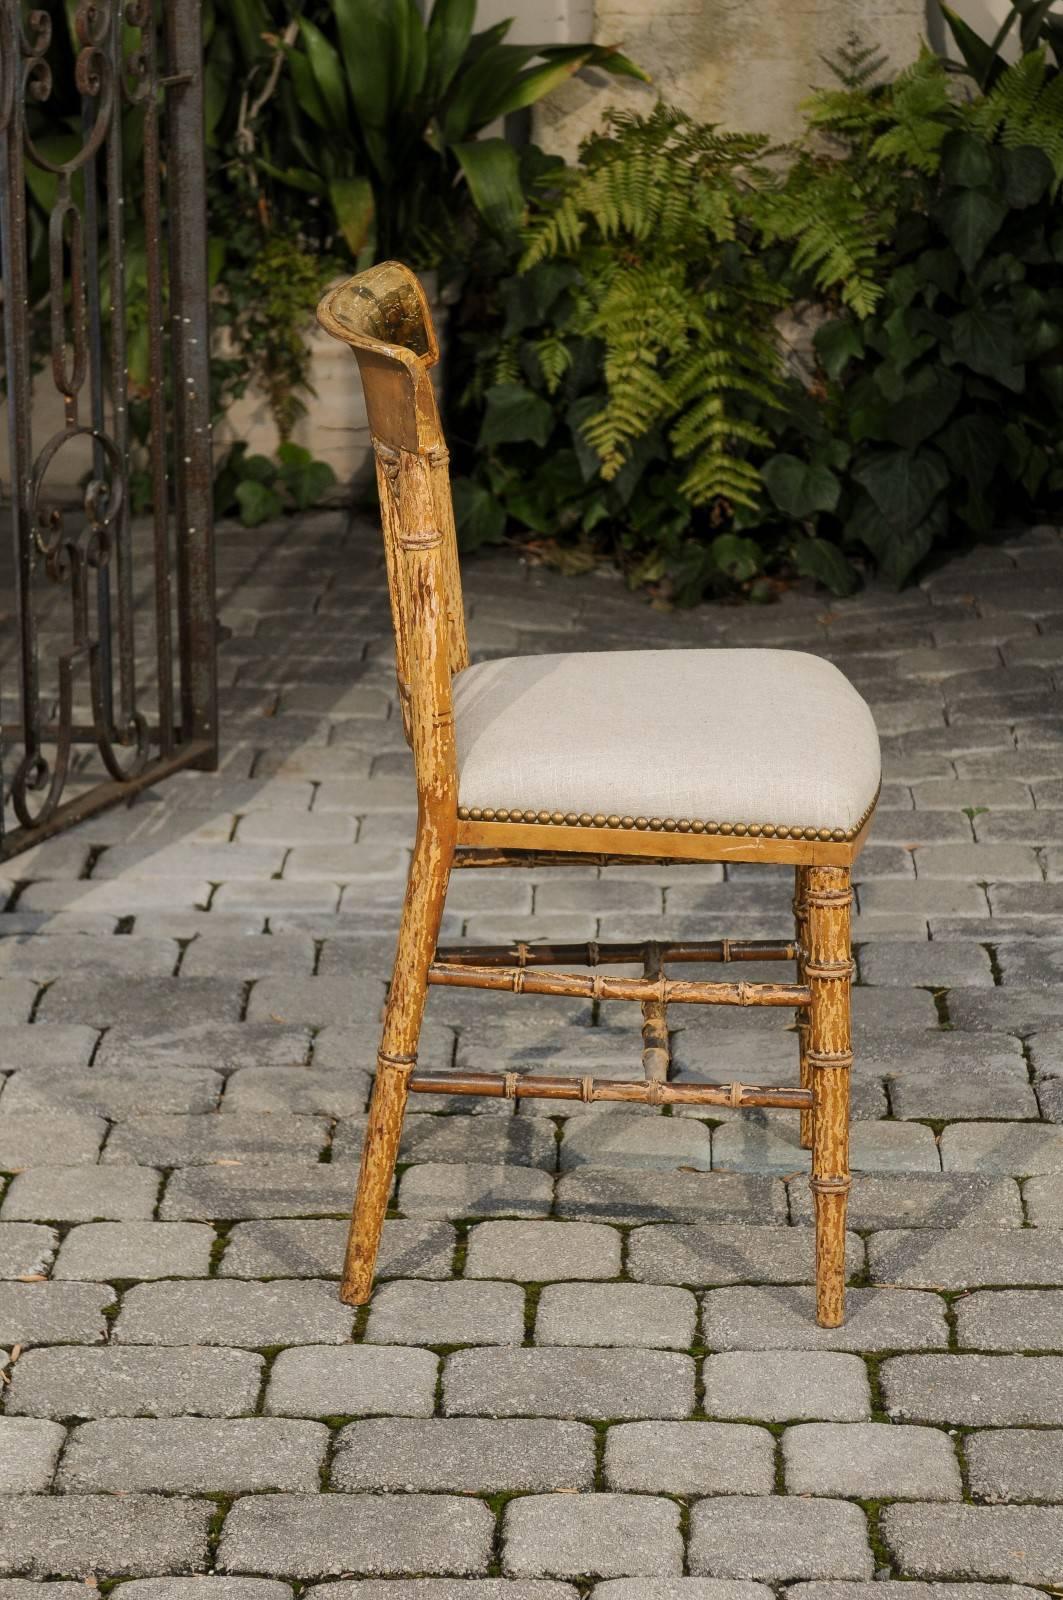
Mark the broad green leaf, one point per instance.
(258, 502)
(514, 414)
(903, 484)
(371, 36)
(296, 178)
(249, 20)
(530, 297)
(798, 488)
(328, 74)
(898, 552)
(966, 160)
(449, 31)
(479, 517)
(492, 173)
(352, 202)
(1028, 175)
(970, 218)
(819, 559)
(482, 84)
(836, 344)
(737, 557)
(971, 445)
(979, 57)
(416, 56)
(308, 95)
(928, 399)
(987, 342)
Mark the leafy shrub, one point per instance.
(631, 390)
(258, 489)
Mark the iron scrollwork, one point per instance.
(83, 544)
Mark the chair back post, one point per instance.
(384, 316)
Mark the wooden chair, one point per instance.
(687, 755)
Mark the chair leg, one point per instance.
(828, 971)
(422, 912)
(801, 940)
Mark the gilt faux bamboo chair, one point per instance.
(659, 755)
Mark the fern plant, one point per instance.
(683, 308)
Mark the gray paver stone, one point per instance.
(682, 1253)
(184, 1455)
(1005, 1318)
(536, 1252)
(27, 1248)
(443, 1589)
(1019, 1148)
(871, 1461)
(50, 1313)
(325, 1535)
(609, 1195)
(37, 1140)
(911, 1590)
(155, 1002)
(203, 1588)
(257, 1138)
(678, 1589)
(446, 1313)
(299, 1090)
(221, 1046)
(1044, 1200)
(635, 1139)
(779, 1538)
(925, 965)
(280, 1189)
(922, 1200)
(311, 1248)
(783, 1385)
(464, 1454)
(938, 1258)
(438, 1189)
(114, 1094)
(47, 1536)
(352, 1380)
(135, 1250)
(316, 1001)
(568, 1383)
(637, 1314)
(42, 1047)
(233, 1312)
(600, 1535)
(972, 1390)
(75, 1382)
(783, 1318)
(81, 1194)
(29, 1449)
(690, 1458)
(1018, 1543)
(1015, 1464)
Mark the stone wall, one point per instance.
(745, 65)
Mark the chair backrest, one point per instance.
(383, 315)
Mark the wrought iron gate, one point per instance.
(109, 636)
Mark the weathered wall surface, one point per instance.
(747, 66)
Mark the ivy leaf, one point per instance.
(817, 558)
(971, 445)
(836, 344)
(928, 400)
(1028, 173)
(899, 551)
(514, 414)
(738, 558)
(479, 517)
(799, 488)
(970, 218)
(966, 161)
(258, 502)
(987, 342)
(904, 485)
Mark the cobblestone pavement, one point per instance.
(590, 1366)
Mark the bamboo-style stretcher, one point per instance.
(383, 316)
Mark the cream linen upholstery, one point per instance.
(726, 736)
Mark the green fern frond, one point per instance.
(1025, 107)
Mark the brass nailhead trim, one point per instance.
(739, 830)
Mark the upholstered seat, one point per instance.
(707, 740)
